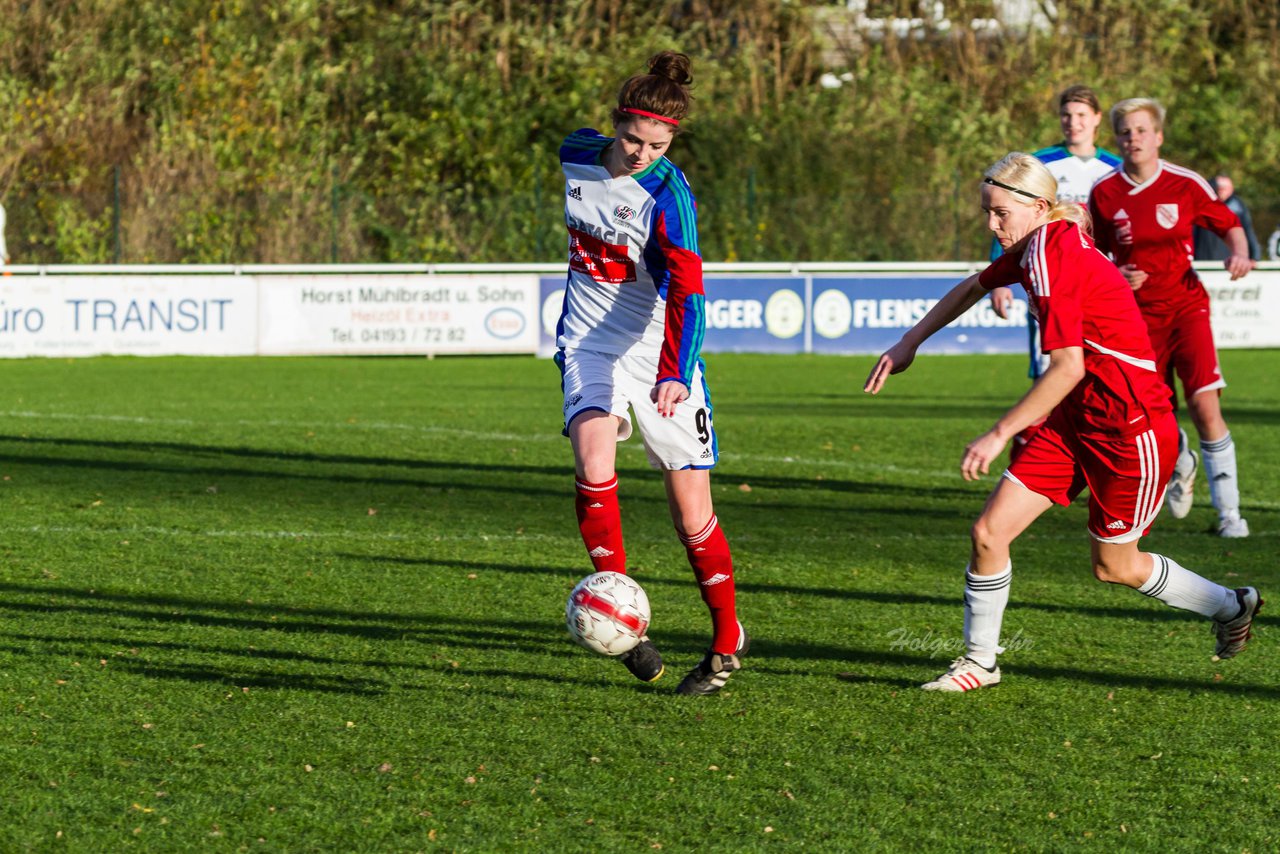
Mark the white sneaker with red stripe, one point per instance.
(965, 674)
(1233, 634)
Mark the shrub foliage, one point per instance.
(394, 130)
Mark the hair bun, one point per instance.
(672, 65)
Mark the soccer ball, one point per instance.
(607, 613)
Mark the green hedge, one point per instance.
(354, 130)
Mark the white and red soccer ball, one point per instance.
(608, 613)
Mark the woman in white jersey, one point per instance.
(630, 334)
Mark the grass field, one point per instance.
(317, 604)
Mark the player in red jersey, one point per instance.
(1109, 422)
(630, 338)
(1076, 163)
(1143, 215)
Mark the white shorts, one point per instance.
(606, 382)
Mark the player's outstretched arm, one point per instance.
(898, 358)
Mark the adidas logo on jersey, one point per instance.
(575, 193)
(599, 551)
(715, 579)
(1117, 525)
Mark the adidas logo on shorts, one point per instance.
(1117, 525)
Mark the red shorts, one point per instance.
(1126, 476)
(1184, 346)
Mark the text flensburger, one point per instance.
(372, 312)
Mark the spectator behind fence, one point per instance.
(1210, 247)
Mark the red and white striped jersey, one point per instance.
(1081, 300)
(1150, 225)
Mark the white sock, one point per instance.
(1184, 462)
(1220, 468)
(985, 598)
(1181, 588)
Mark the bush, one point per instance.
(390, 130)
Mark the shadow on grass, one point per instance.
(534, 637)
(931, 666)
(243, 452)
(157, 611)
(337, 684)
(452, 471)
(894, 405)
(878, 597)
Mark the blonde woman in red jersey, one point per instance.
(1109, 422)
(1144, 214)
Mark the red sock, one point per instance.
(713, 567)
(600, 521)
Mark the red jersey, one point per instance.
(1150, 225)
(1082, 300)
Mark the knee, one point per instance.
(1123, 572)
(690, 523)
(1105, 573)
(1206, 412)
(596, 471)
(595, 465)
(985, 538)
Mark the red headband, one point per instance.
(648, 115)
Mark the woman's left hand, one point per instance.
(979, 454)
(668, 395)
(1238, 266)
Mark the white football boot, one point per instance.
(1232, 526)
(965, 674)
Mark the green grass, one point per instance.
(316, 605)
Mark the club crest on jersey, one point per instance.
(1167, 215)
(622, 213)
(575, 193)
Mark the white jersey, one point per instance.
(635, 277)
(1076, 175)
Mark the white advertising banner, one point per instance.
(371, 314)
(127, 315)
(1246, 312)
(234, 311)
